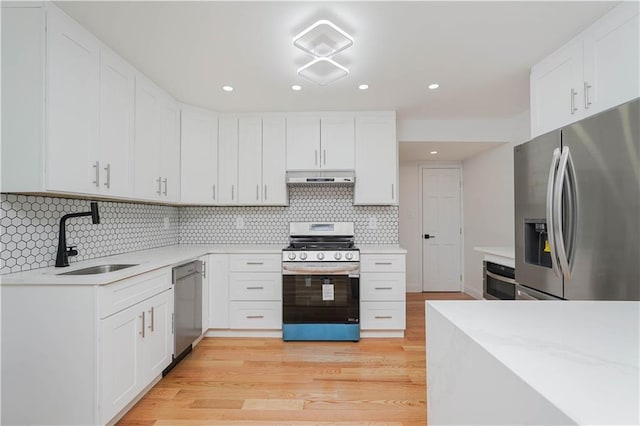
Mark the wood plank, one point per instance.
(268, 382)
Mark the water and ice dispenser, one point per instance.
(536, 243)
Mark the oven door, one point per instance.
(320, 299)
(499, 282)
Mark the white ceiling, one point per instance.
(479, 52)
(446, 151)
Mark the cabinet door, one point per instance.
(147, 179)
(250, 160)
(228, 160)
(71, 106)
(218, 277)
(158, 337)
(115, 148)
(170, 150)
(556, 90)
(274, 147)
(199, 156)
(611, 59)
(121, 354)
(303, 143)
(337, 140)
(376, 160)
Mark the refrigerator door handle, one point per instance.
(551, 229)
(563, 168)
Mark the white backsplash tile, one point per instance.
(29, 225)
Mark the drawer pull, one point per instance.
(384, 288)
(255, 288)
(384, 263)
(255, 263)
(383, 317)
(255, 316)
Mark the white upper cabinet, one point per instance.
(376, 156)
(199, 155)
(274, 146)
(72, 87)
(157, 143)
(596, 71)
(228, 159)
(115, 148)
(320, 142)
(250, 160)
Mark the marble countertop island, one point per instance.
(533, 362)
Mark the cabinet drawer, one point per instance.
(255, 315)
(255, 286)
(382, 286)
(122, 294)
(382, 263)
(382, 315)
(255, 262)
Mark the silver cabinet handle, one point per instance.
(255, 316)
(255, 263)
(587, 102)
(165, 186)
(315, 157)
(152, 321)
(383, 288)
(214, 192)
(143, 325)
(255, 288)
(257, 192)
(384, 263)
(383, 317)
(97, 180)
(393, 192)
(325, 157)
(159, 191)
(108, 170)
(265, 192)
(500, 278)
(233, 192)
(573, 94)
(204, 269)
(551, 227)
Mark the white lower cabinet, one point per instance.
(255, 315)
(382, 292)
(106, 344)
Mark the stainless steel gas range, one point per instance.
(321, 282)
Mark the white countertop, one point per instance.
(148, 260)
(502, 255)
(381, 249)
(582, 356)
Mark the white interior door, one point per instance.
(441, 230)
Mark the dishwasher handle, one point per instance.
(184, 270)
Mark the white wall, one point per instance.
(488, 202)
(489, 174)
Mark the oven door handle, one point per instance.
(501, 278)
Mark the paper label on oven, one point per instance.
(327, 292)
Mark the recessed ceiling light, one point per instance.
(227, 88)
(363, 87)
(296, 87)
(433, 86)
(434, 152)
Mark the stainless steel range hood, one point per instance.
(321, 177)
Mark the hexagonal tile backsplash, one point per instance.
(29, 225)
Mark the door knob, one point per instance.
(427, 236)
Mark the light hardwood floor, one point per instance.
(244, 381)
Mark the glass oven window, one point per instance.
(320, 299)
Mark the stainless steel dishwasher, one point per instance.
(187, 316)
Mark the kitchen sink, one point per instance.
(99, 269)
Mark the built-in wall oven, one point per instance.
(499, 282)
(321, 283)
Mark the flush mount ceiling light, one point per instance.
(363, 87)
(323, 71)
(433, 86)
(296, 87)
(227, 88)
(434, 152)
(323, 39)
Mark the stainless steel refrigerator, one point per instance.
(577, 209)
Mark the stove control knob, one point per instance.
(303, 256)
(338, 255)
(349, 256)
(320, 256)
(292, 255)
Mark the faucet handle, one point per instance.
(71, 251)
